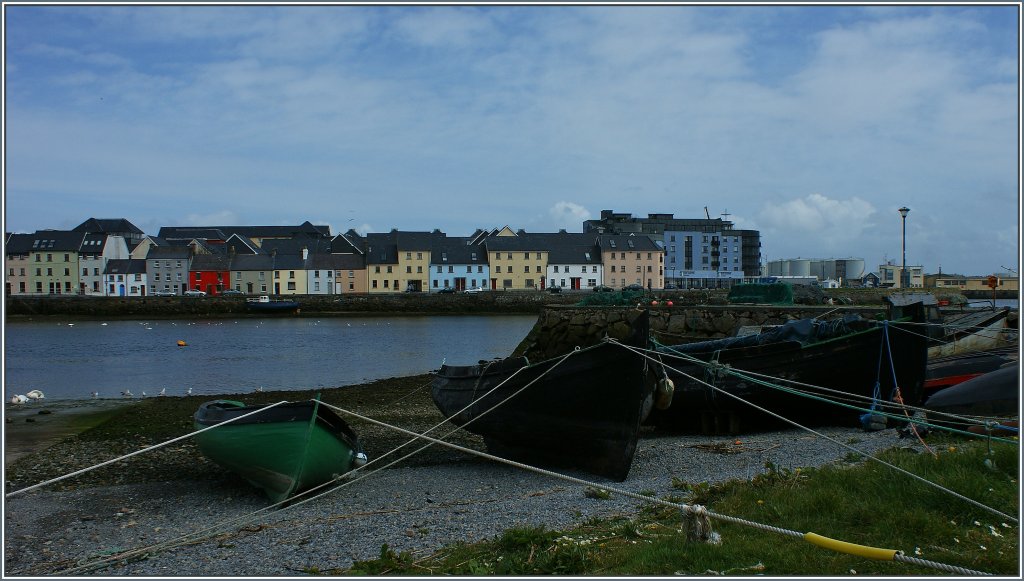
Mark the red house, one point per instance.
(210, 273)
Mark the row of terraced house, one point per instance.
(114, 258)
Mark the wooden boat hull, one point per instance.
(976, 333)
(582, 412)
(284, 450)
(848, 363)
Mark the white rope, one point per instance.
(137, 452)
(820, 435)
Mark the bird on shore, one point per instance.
(259, 389)
(95, 394)
(163, 391)
(19, 399)
(127, 393)
(35, 394)
(188, 391)
(143, 393)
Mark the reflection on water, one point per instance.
(71, 360)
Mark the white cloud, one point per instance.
(568, 215)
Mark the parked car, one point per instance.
(194, 292)
(232, 293)
(164, 293)
(603, 289)
(634, 287)
(446, 291)
(554, 289)
(670, 287)
(475, 289)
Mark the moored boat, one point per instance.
(977, 331)
(993, 394)
(852, 360)
(950, 370)
(581, 410)
(267, 305)
(282, 450)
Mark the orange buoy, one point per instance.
(182, 343)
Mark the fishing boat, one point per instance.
(993, 394)
(950, 370)
(808, 358)
(976, 331)
(264, 304)
(581, 410)
(282, 450)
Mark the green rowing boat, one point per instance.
(284, 449)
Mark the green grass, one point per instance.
(864, 503)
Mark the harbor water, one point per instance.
(73, 359)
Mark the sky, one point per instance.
(811, 124)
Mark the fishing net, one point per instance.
(774, 294)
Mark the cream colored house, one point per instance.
(632, 260)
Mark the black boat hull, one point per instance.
(849, 364)
(581, 411)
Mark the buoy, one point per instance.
(654, 303)
(35, 394)
(182, 343)
(663, 393)
(669, 303)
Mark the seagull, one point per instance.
(95, 394)
(143, 393)
(163, 391)
(188, 391)
(127, 393)
(259, 389)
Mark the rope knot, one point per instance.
(697, 523)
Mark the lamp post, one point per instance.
(904, 280)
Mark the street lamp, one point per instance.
(904, 280)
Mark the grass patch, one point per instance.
(864, 503)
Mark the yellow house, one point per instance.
(517, 260)
(399, 261)
(974, 283)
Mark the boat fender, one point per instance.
(873, 422)
(663, 393)
(359, 460)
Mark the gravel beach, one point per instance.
(418, 507)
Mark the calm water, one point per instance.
(71, 360)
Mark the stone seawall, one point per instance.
(560, 329)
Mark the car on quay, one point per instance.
(446, 291)
(164, 293)
(475, 289)
(232, 293)
(603, 289)
(194, 292)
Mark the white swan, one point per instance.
(35, 394)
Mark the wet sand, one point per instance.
(39, 424)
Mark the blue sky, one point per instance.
(812, 124)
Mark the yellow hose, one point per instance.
(851, 548)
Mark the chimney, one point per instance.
(305, 253)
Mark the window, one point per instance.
(529, 283)
(408, 270)
(419, 270)
(497, 268)
(291, 274)
(291, 285)
(480, 268)
(351, 274)
(96, 272)
(451, 268)
(538, 268)
(638, 269)
(556, 268)
(469, 269)
(526, 255)
(316, 285)
(49, 272)
(156, 277)
(373, 283)
(85, 272)
(408, 255)
(386, 283)
(376, 270)
(526, 269)
(510, 258)
(438, 269)
(389, 269)
(507, 283)
(49, 258)
(419, 256)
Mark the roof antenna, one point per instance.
(706, 213)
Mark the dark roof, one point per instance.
(627, 243)
(18, 244)
(93, 243)
(322, 261)
(56, 240)
(381, 248)
(223, 232)
(210, 262)
(295, 245)
(457, 250)
(252, 262)
(241, 245)
(566, 248)
(348, 243)
(168, 253)
(109, 226)
(125, 266)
